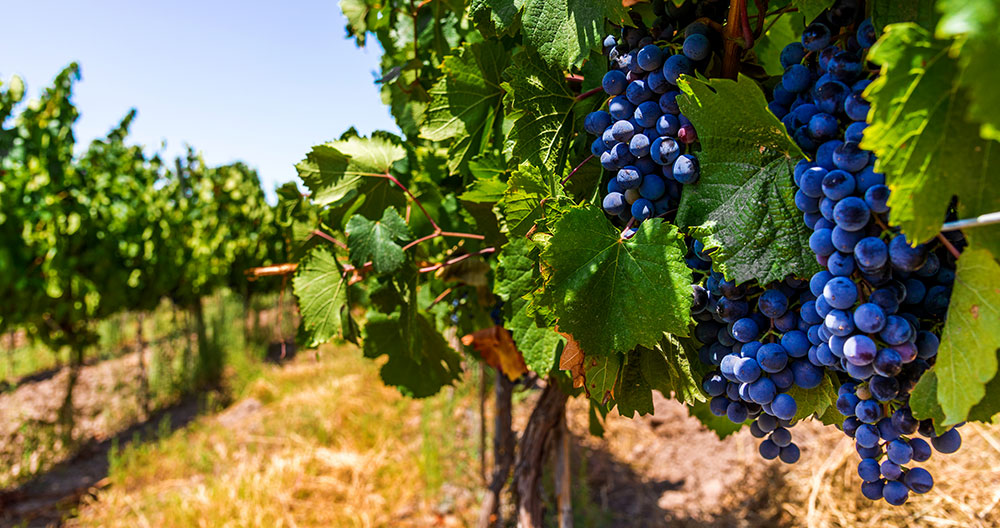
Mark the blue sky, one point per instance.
(251, 80)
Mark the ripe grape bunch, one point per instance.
(880, 299)
(758, 342)
(643, 139)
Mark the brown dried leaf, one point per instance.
(572, 359)
(497, 349)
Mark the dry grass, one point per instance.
(825, 491)
(324, 443)
(335, 447)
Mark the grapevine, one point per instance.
(674, 196)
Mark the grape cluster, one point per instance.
(643, 139)
(758, 342)
(879, 300)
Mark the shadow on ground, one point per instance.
(47, 498)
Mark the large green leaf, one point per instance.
(495, 17)
(321, 287)
(927, 149)
(467, 101)
(564, 31)
(516, 276)
(670, 369)
(418, 366)
(546, 115)
(376, 241)
(967, 358)
(530, 196)
(924, 402)
(340, 171)
(975, 22)
(743, 205)
(633, 393)
(612, 294)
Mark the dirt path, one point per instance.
(45, 499)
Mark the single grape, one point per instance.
(852, 214)
(948, 442)
(650, 57)
(816, 37)
(686, 169)
(642, 209)
(675, 66)
(792, 54)
(790, 454)
(919, 480)
(614, 82)
(697, 47)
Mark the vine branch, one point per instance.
(578, 167)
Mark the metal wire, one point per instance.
(981, 220)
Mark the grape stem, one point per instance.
(393, 179)
(761, 9)
(578, 167)
(944, 241)
(947, 243)
(443, 234)
(589, 93)
(456, 260)
(328, 238)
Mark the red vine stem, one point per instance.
(745, 26)
(456, 260)
(589, 93)
(947, 243)
(443, 234)
(440, 297)
(328, 238)
(578, 167)
(944, 241)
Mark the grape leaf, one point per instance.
(530, 196)
(321, 287)
(419, 366)
(975, 23)
(788, 28)
(565, 31)
(467, 101)
(811, 9)
(340, 171)
(495, 17)
(632, 392)
(967, 358)
(916, 104)
(517, 269)
(924, 401)
(612, 294)
(814, 401)
(537, 343)
(921, 12)
(546, 115)
(720, 425)
(743, 206)
(601, 373)
(376, 241)
(516, 276)
(361, 18)
(668, 369)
